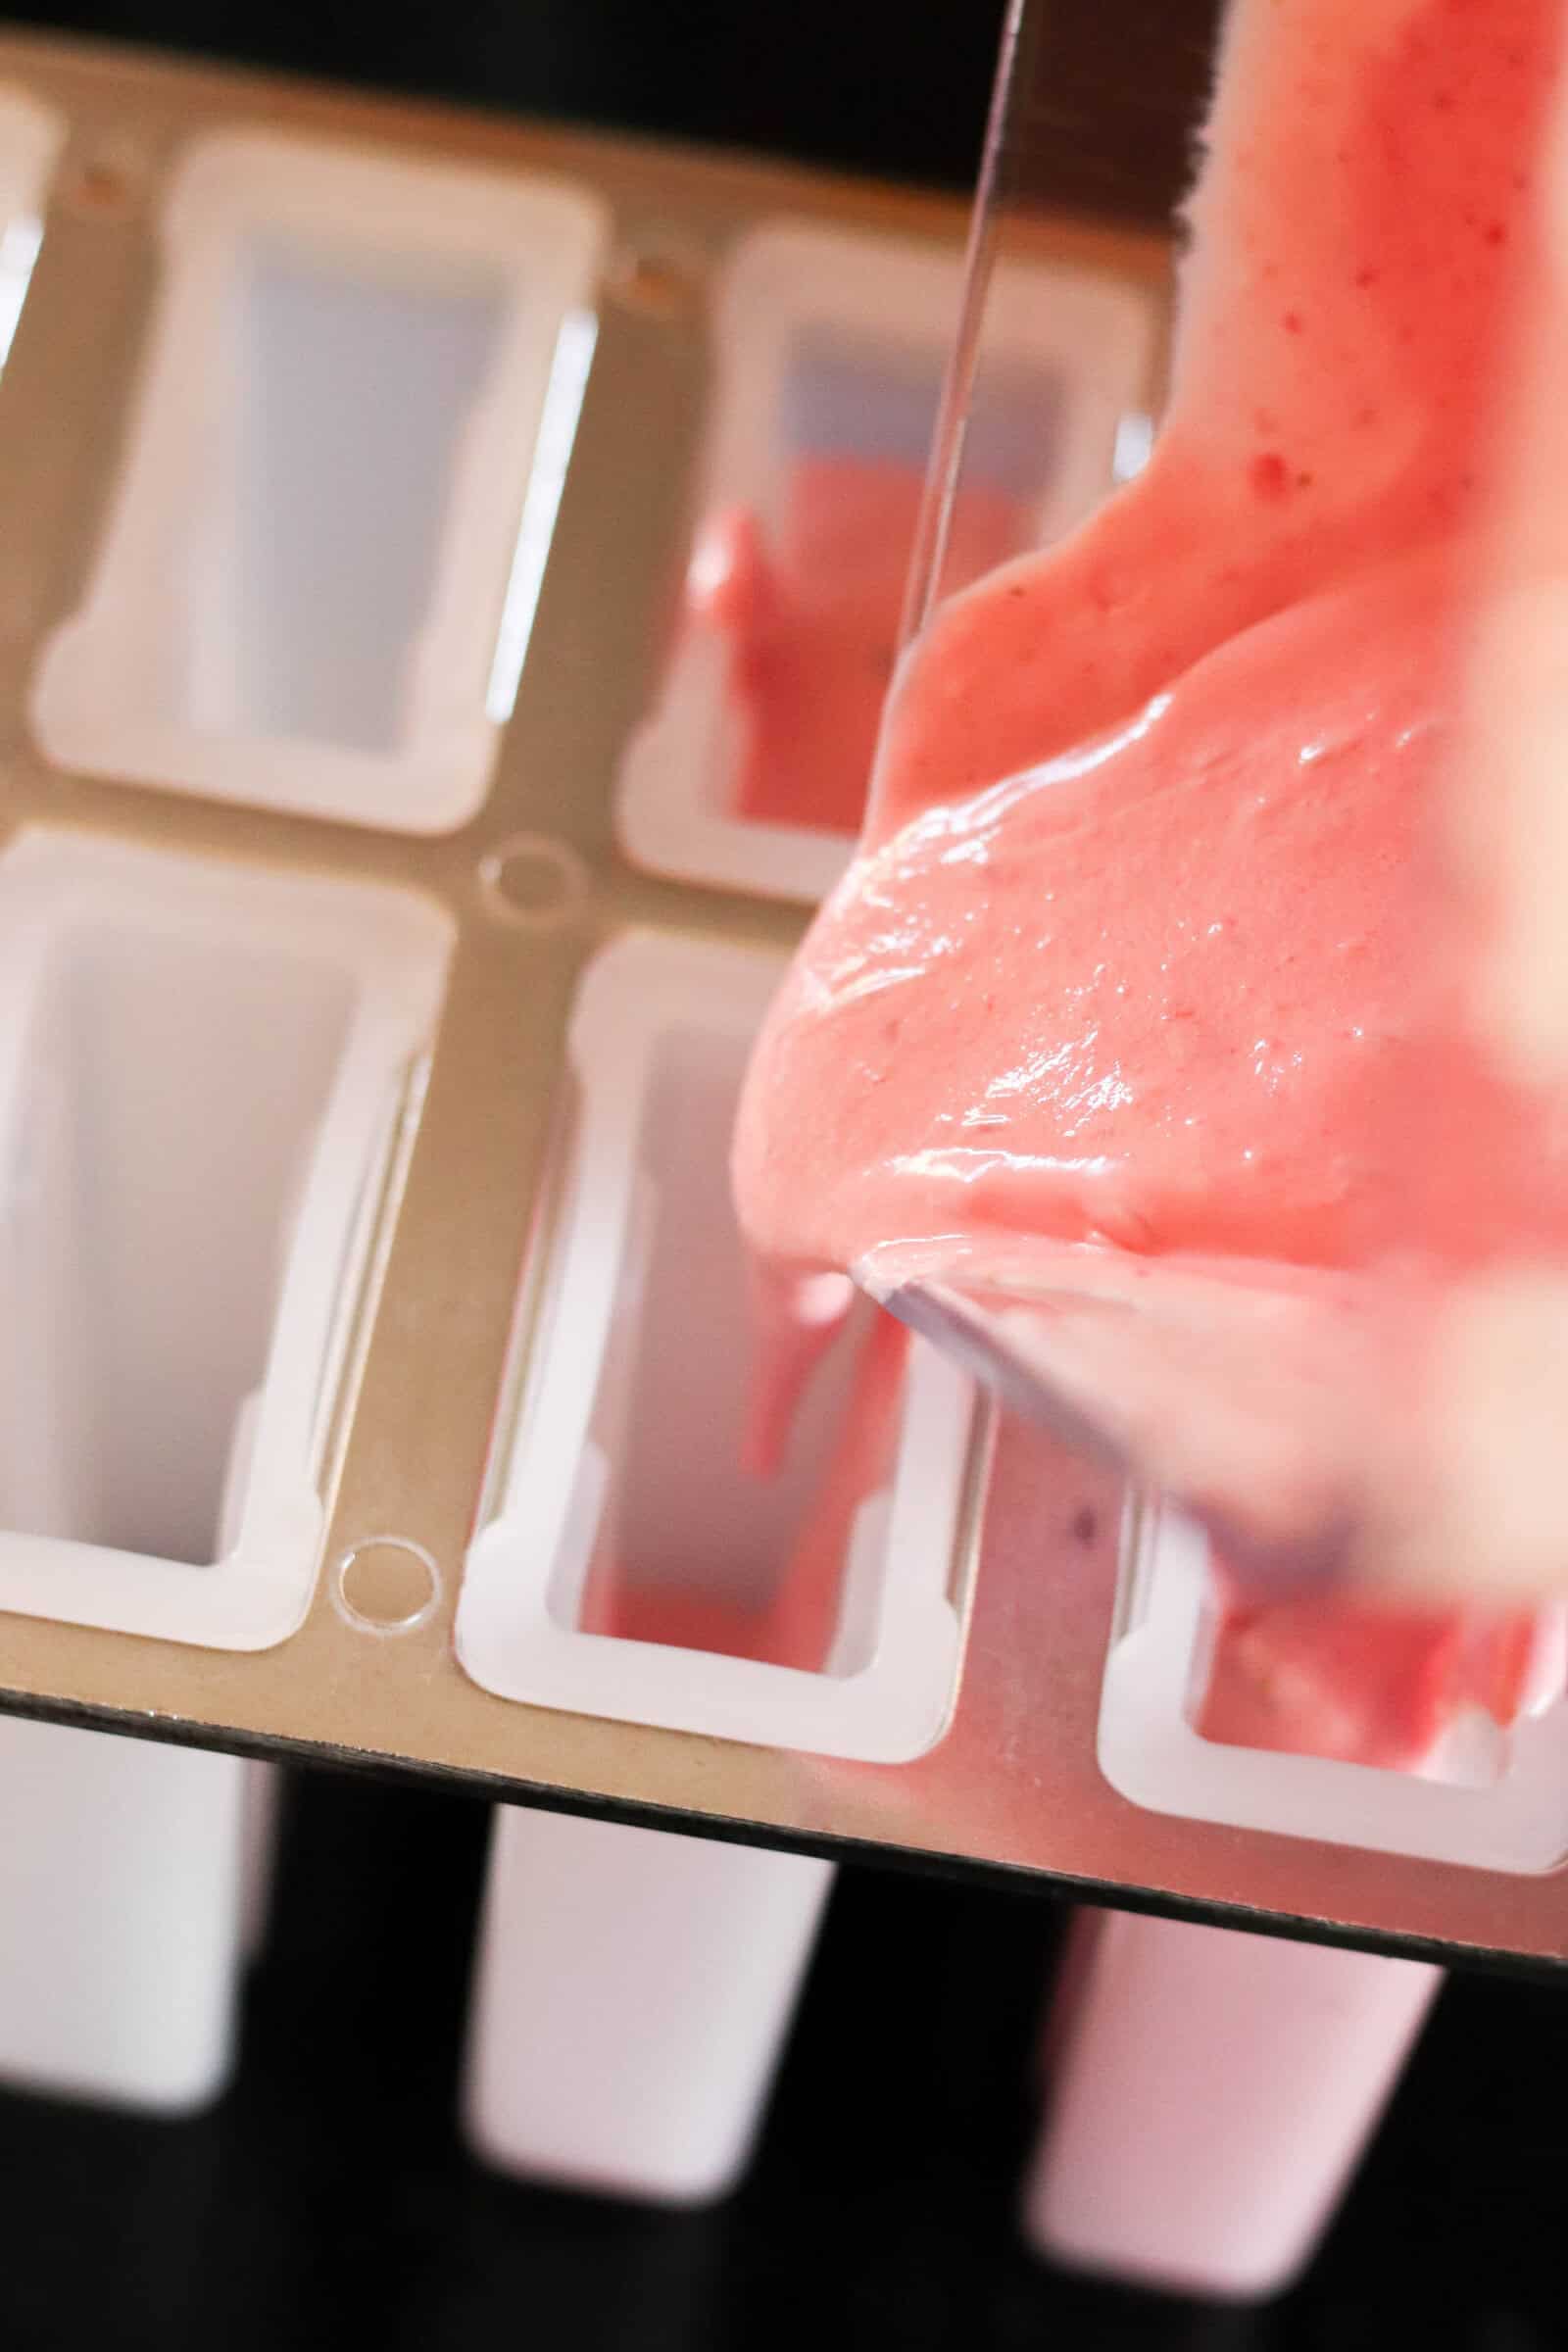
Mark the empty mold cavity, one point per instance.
(329, 526)
(1498, 1801)
(628, 1563)
(30, 138)
(201, 1072)
(828, 353)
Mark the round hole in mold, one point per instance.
(532, 882)
(655, 277)
(388, 1584)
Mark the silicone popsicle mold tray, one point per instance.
(351, 455)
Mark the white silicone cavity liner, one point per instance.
(789, 287)
(628, 1424)
(1149, 1752)
(324, 542)
(30, 138)
(1210, 2095)
(200, 1076)
(631, 2000)
(158, 1856)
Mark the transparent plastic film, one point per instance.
(829, 354)
(1196, 1018)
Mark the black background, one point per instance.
(326, 2198)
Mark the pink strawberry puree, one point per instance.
(811, 631)
(1137, 952)
(1328, 1677)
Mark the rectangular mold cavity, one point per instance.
(200, 1075)
(828, 348)
(320, 557)
(30, 139)
(1507, 1810)
(627, 1564)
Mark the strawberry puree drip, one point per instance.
(811, 629)
(798, 1624)
(1143, 951)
